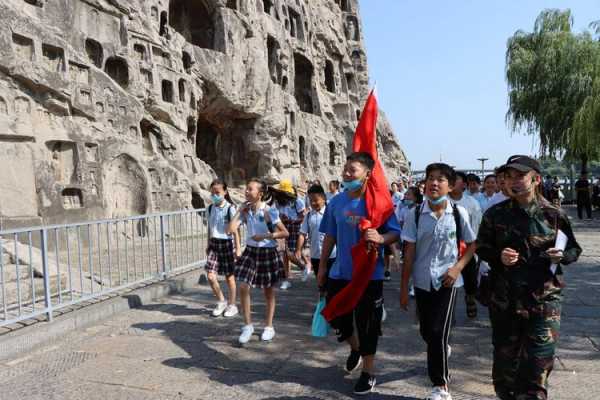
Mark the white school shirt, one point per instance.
(497, 199)
(310, 227)
(217, 220)
(401, 213)
(485, 201)
(436, 249)
(256, 225)
(472, 206)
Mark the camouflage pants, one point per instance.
(524, 351)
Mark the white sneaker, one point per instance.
(231, 311)
(247, 331)
(285, 285)
(439, 393)
(219, 309)
(268, 334)
(305, 274)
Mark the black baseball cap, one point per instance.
(522, 163)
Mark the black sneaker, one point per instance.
(387, 276)
(471, 306)
(365, 384)
(505, 395)
(353, 362)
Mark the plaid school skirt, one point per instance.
(220, 257)
(260, 267)
(294, 231)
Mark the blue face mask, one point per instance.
(351, 186)
(216, 199)
(438, 201)
(408, 203)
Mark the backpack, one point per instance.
(460, 243)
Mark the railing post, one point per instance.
(163, 247)
(46, 272)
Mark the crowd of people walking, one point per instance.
(504, 239)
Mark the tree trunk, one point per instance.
(584, 164)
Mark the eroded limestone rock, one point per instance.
(116, 107)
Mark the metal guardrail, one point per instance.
(44, 269)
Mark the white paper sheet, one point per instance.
(561, 243)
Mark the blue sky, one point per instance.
(439, 67)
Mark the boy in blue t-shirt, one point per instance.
(340, 226)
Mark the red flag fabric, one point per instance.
(379, 208)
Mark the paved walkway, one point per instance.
(173, 349)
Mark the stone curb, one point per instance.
(31, 334)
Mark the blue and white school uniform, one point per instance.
(260, 265)
(220, 258)
(310, 228)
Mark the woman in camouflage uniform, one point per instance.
(517, 239)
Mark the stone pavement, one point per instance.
(173, 349)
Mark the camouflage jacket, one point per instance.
(530, 231)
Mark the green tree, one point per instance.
(554, 86)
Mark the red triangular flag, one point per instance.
(379, 208)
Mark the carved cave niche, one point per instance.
(296, 25)
(274, 60)
(63, 160)
(140, 52)
(187, 62)
(125, 187)
(194, 22)
(94, 52)
(232, 4)
(53, 58)
(302, 150)
(23, 47)
(167, 91)
(3, 106)
(329, 76)
(148, 138)
(117, 69)
(226, 150)
(351, 27)
(72, 198)
(332, 154)
(182, 89)
(303, 83)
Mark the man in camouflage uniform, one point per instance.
(517, 238)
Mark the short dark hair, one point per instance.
(316, 189)
(417, 193)
(444, 169)
(473, 178)
(335, 183)
(461, 175)
(490, 176)
(362, 157)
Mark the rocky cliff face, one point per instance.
(116, 107)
